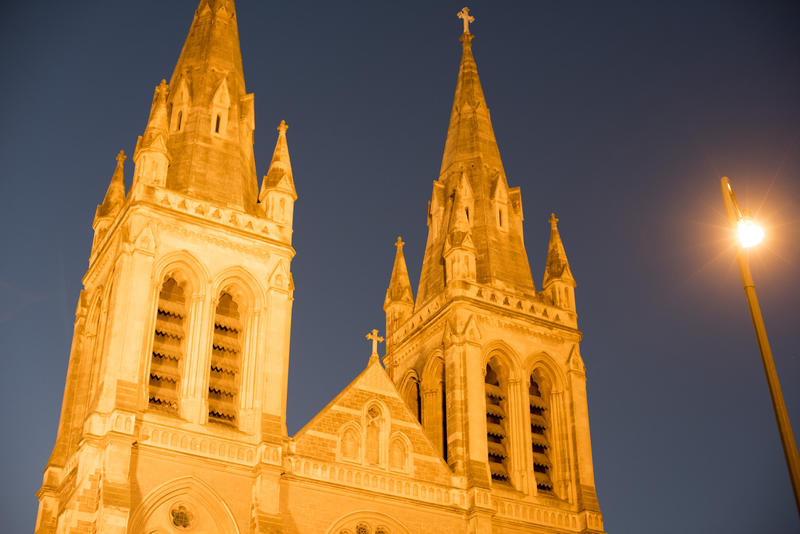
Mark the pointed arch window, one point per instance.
(179, 106)
(398, 455)
(168, 347)
(496, 426)
(220, 107)
(351, 444)
(223, 384)
(539, 431)
(373, 437)
(413, 395)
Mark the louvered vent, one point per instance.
(223, 384)
(539, 431)
(165, 365)
(496, 426)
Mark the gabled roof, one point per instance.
(319, 437)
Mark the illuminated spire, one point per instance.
(471, 161)
(211, 115)
(470, 135)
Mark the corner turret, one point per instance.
(150, 158)
(399, 301)
(112, 203)
(558, 282)
(278, 194)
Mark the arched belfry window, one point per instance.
(496, 426)
(168, 347)
(540, 427)
(412, 394)
(223, 384)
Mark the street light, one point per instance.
(750, 234)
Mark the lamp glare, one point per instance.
(750, 234)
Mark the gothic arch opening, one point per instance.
(184, 504)
(434, 403)
(497, 422)
(411, 392)
(367, 523)
(539, 388)
(167, 355)
(226, 361)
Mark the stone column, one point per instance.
(191, 383)
(519, 445)
(432, 416)
(583, 446)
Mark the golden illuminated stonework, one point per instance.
(174, 410)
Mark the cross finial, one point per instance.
(282, 127)
(375, 338)
(399, 243)
(121, 157)
(466, 17)
(553, 220)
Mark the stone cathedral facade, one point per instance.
(174, 410)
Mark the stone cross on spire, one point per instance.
(466, 17)
(282, 127)
(375, 338)
(121, 157)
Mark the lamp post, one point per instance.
(749, 235)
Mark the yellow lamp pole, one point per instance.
(750, 235)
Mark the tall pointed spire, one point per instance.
(115, 195)
(471, 156)
(470, 135)
(557, 267)
(399, 284)
(211, 116)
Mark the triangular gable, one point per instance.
(321, 437)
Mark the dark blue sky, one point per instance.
(619, 116)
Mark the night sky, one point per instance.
(619, 116)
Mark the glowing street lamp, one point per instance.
(749, 235)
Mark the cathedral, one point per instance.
(475, 420)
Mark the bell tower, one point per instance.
(175, 400)
(494, 362)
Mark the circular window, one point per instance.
(181, 517)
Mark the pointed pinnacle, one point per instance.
(115, 194)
